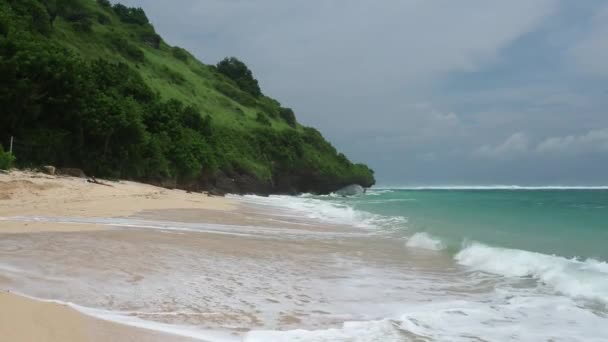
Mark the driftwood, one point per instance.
(93, 180)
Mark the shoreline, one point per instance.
(24, 318)
(267, 269)
(40, 207)
(23, 194)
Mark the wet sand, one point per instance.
(23, 319)
(169, 257)
(34, 194)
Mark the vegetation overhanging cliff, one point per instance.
(91, 85)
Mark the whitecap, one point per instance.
(425, 241)
(584, 279)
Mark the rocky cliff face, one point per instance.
(303, 181)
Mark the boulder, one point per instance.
(49, 170)
(351, 190)
(72, 172)
(226, 184)
(216, 192)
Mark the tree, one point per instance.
(288, 115)
(104, 3)
(131, 15)
(239, 73)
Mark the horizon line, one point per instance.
(492, 187)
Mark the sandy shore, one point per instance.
(33, 194)
(23, 319)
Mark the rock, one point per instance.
(72, 172)
(351, 190)
(49, 170)
(216, 192)
(226, 184)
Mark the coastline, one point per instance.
(34, 194)
(65, 211)
(273, 268)
(26, 319)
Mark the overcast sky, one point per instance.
(426, 92)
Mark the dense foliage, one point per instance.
(118, 114)
(6, 159)
(240, 73)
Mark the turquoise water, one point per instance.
(568, 223)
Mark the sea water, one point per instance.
(421, 265)
(542, 253)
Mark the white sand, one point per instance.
(35, 194)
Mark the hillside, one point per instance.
(91, 85)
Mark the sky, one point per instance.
(443, 92)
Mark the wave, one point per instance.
(498, 187)
(585, 279)
(350, 331)
(425, 241)
(502, 317)
(326, 211)
(378, 192)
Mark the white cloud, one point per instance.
(594, 140)
(352, 68)
(348, 46)
(514, 146)
(519, 145)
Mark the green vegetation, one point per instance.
(91, 85)
(240, 74)
(6, 159)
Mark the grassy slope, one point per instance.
(191, 82)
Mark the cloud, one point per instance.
(414, 87)
(519, 145)
(591, 52)
(345, 46)
(514, 146)
(594, 140)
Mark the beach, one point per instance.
(126, 261)
(36, 194)
(142, 263)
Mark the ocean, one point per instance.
(533, 259)
(483, 264)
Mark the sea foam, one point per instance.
(424, 241)
(505, 316)
(586, 279)
(326, 211)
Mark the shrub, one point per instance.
(104, 3)
(76, 16)
(288, 116)
(39, 16)
(130, 15)
(125, 48)
(239, 73)
(151, 38)
(83, 25)
(235, 93)
(269, 106)
(172, 76)
(262, 118)
(180, 53)
(103, 19)
(6, 159)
